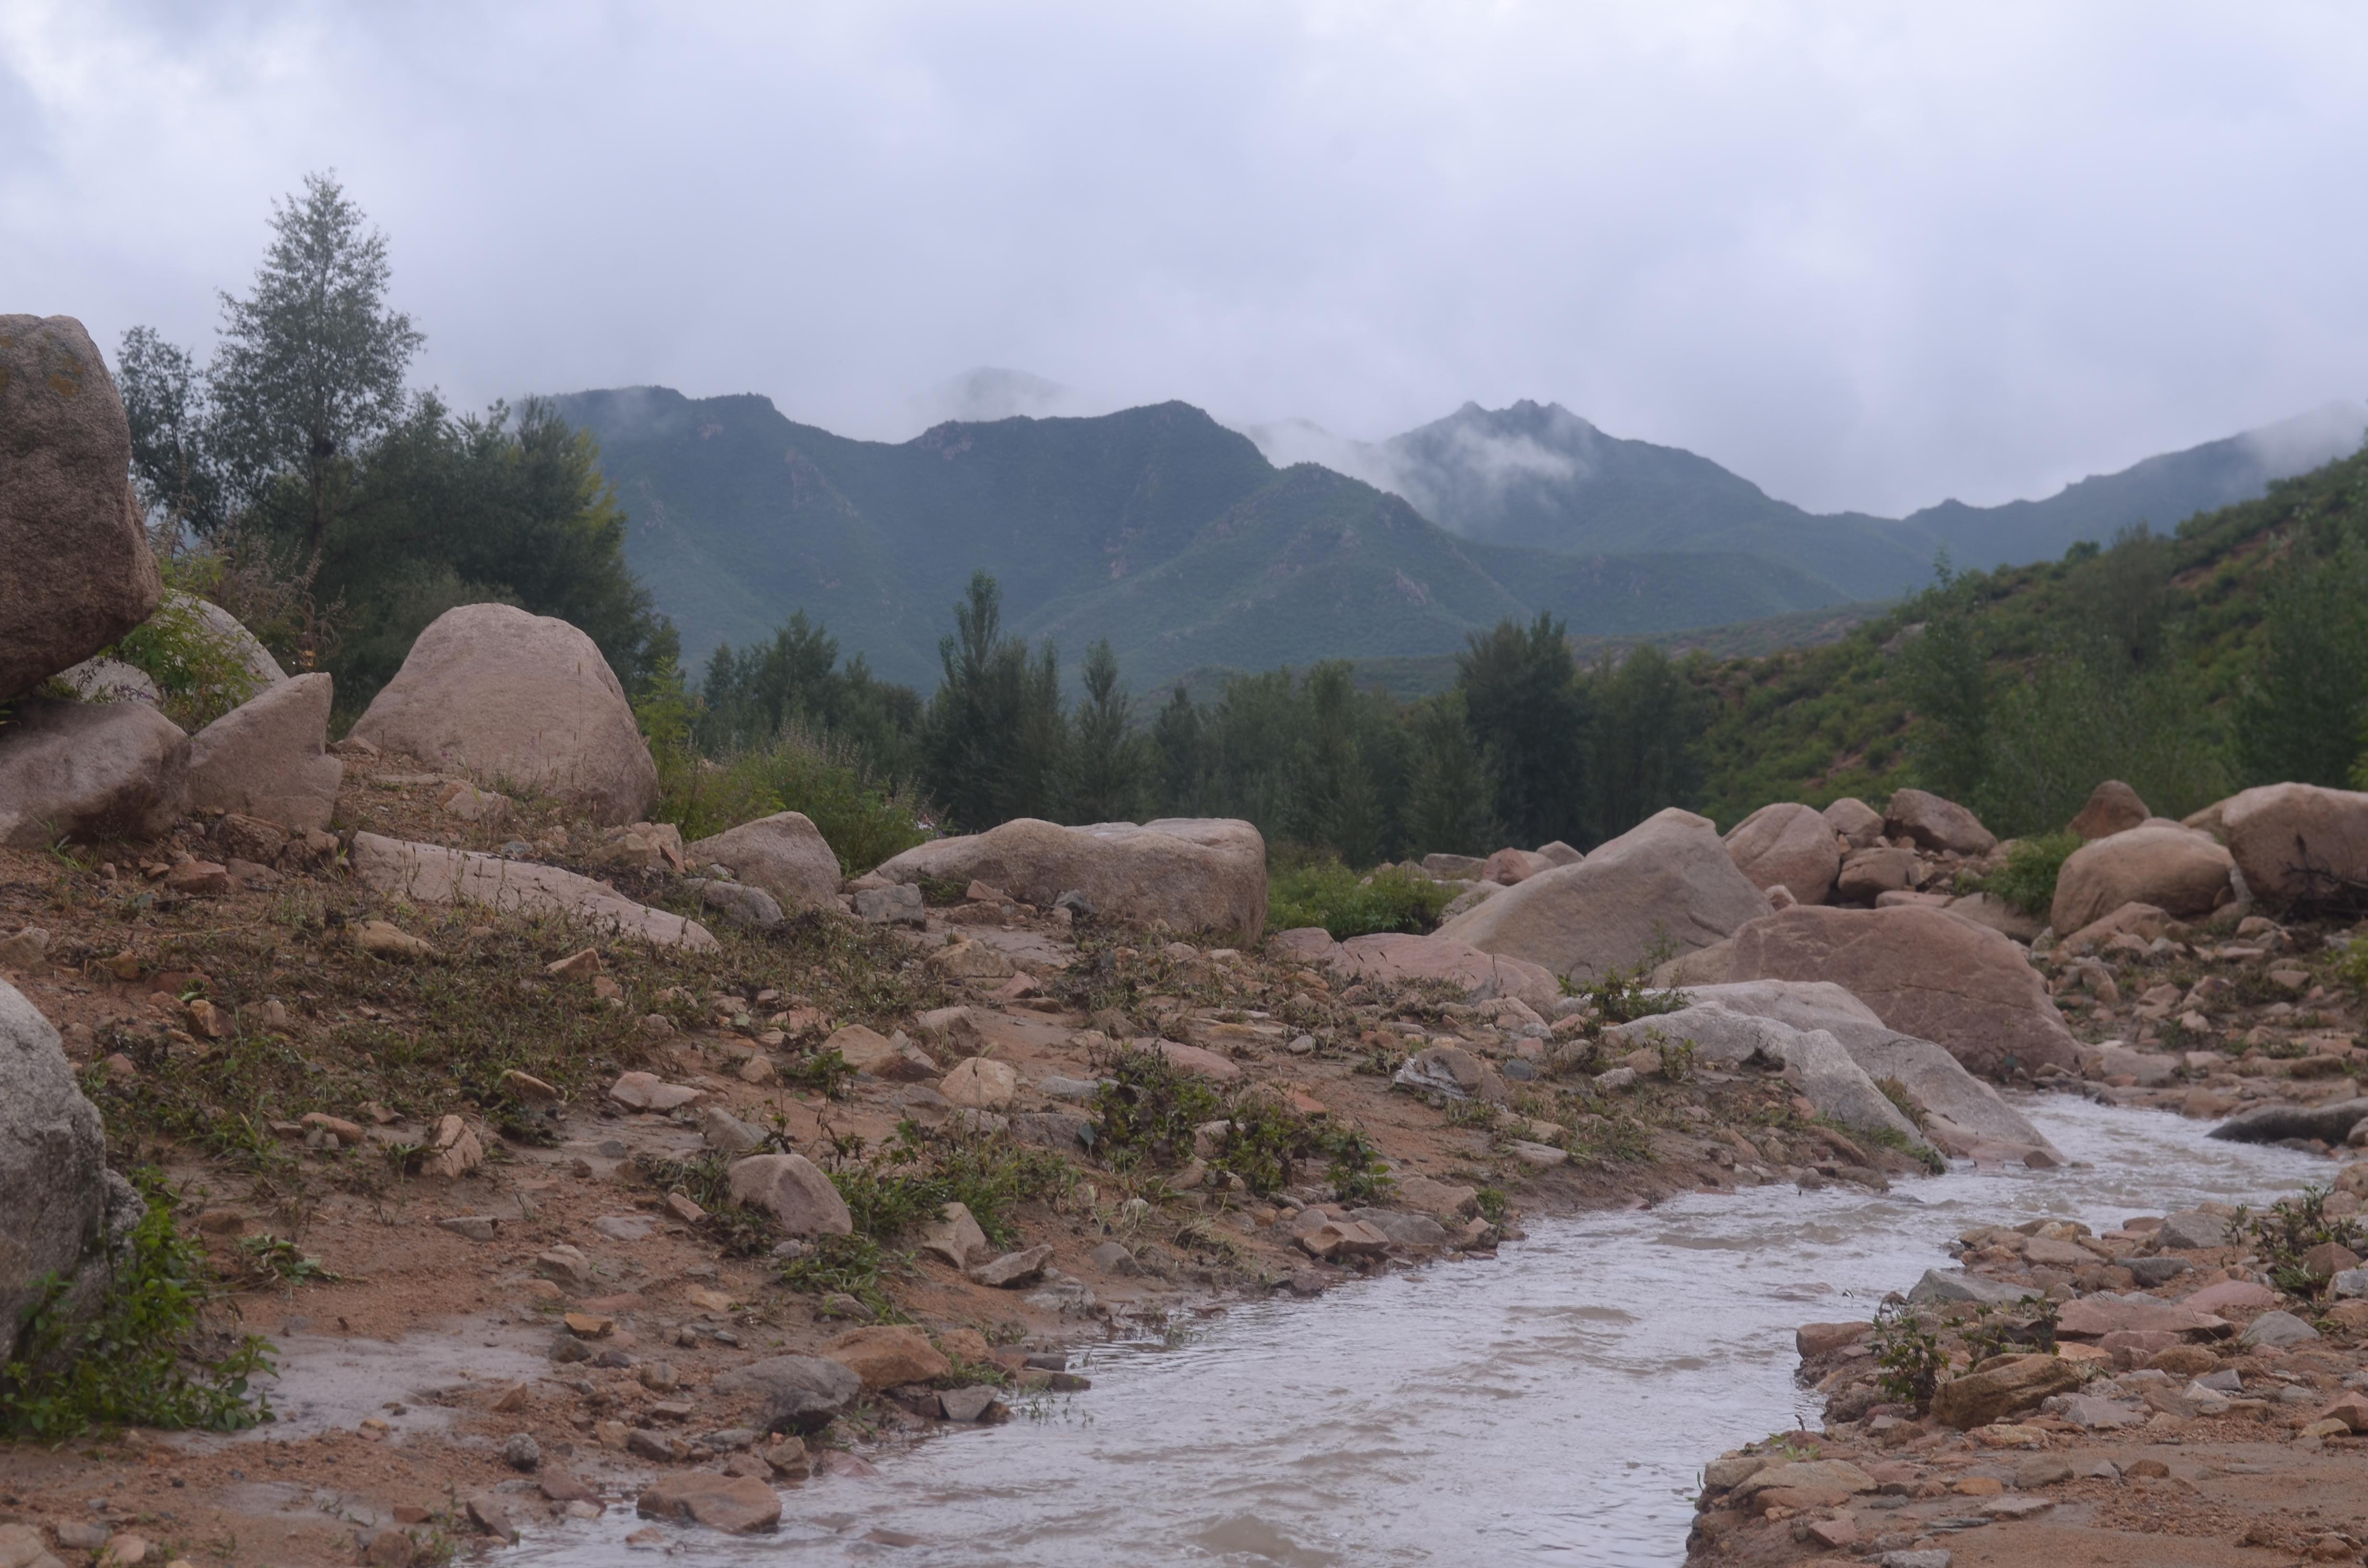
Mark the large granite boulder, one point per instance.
(2175, 868)
(1194, 874)
(2113, 807)
(1814, 1059)
(1396, 958)
(1787, 846)
(78, 573)
(2296, 843)
(518, 700)
(60, 1206)
(1666, 885)
(427, 873)
(1929, 822)
(1964, 1115)
(89, 770)
(1854, 820)
(1925, 973)
(267, 757)
(784, 853)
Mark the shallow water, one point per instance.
(1551, 1407)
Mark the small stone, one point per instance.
(658, 1377)
(647, 1091)
(582, 965)
(2276, 1331)
(492, 1516)
(476, 1227)
(978, 1402)
(565, 1265)
(522, 1452)
(381, 941)
(737, 1504)
(1112, 1259)
(1013, 1269)
(530, 1088)
(680, 1206)
(663, 1447)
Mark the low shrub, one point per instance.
(138, 1361)
(2027, 880)
(1149, 1111)
(904, 1183)
(1329, 894)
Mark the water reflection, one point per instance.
(1551, 1407)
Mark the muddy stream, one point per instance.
(1553, 1406)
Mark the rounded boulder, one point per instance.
(518, 700)
(2176, 870)
(1787, 846)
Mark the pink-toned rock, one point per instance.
(2230, 1296)
(2176, 870)
(1194, 1060)
(519, 699)
(2143, 921)
(784, 853)
(1194, 874)
(1854, 820)
(1787, 846)
(2298, 842)
(737, 1504)
(888, 1355)
(1301, 944)
(1925, 973)
(1398, 958)
(267, 759)
(1509, 868)
(88, 771)
(2113, 807)
(1867, 874)
(2092, 1317)
(647, 1091)
(794, 1191)
(429, 873)
(1932, 823)
(1667, 883)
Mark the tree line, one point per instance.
(1529, 746)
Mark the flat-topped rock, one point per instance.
(427, 873)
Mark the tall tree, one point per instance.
(1449, 797)
(996, 737)
(1108, 768)
(2303, 716)
(1180, 749)
(311, 363)
(1522, 697)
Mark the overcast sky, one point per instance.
(1868, 255)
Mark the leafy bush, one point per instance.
(1624, 996)
(801, 771)
(135, 1361)
(1330, 895)
(915, 1174)
(197, 673)
(2027, 880)
(2290, 1228)
(1149, 1110)
(1909, 1355)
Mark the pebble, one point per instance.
(522, 1452)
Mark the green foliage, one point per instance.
(2290, 1228)
(2303, 716)
(706, 1179)
(1109, 763)
(1327, 893)
(826, 1072)
(2022, 1327)
(847, 1266)
(1530, 716)
(1356, 1170)
(1909, 1355)
(136, 1361)
(278, 1260)
(1624, 996)
(352, 512)
(801, 770)
(198, 675)
(1147, 1109)
(906, 1181)
(795, 682)
(2027, 880)
(996, 742)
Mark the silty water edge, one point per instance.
(1551, 1407)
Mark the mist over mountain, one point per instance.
(1540, 476)
(1157, 528)
(1190, 545)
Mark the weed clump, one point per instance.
(1152, 1114)
(1329, 894)
(2027, 880)
(140, 1359)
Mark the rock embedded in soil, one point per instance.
(887, 1356)
(980, 1083)
(89, 772)
(954, 1235)
(1397, 958)
(426, 874)
(511, 698)
(785, 855)
(2276, 1331)
(736, 1504)
(1977, 1399)
(647, 1091)
(801, 1393)
(1193, 875)
(867, 1051)
(267, 759)
(796, 1193)
(1013, 1269)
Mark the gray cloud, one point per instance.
(1867, 256)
